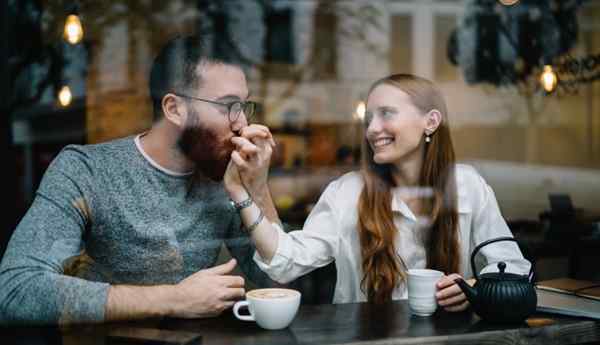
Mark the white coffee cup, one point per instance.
(270, 308)
(421, 291)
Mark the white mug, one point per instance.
(270, 308)
(421, 291)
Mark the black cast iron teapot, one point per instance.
(500, 296)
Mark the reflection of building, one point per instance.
(40, 124)
(488, 124)
(314, 61)
(391, 37)
(40, 132)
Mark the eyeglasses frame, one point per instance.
(229, 106)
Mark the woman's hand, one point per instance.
(449, 294)
(252, 156)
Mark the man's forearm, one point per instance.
(127, 302)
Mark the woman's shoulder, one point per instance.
(345, 187)
(467, 175)
(471, 187)
(350, 181)
(352, 178)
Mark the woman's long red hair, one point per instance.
(383, 268)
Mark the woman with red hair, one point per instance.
(410, 206)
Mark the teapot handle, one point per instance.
(485, 243)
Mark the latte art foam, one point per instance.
(271, 293)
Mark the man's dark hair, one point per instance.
(174, 68)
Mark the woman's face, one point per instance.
(395, 126)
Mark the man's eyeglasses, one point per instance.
(233, 108)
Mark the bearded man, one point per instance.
(132, 228)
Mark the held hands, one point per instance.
(449, 295)
(246, 180)
(207, 292)
(250, 160)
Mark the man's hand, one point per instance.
(449, 294)
(233, 183)
(207, 292)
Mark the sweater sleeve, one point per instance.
(34, 288)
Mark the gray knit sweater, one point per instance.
(126, 221)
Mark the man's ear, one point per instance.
(433, 121)
(174, 111)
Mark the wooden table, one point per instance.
(356, 323)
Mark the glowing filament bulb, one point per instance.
(73, 29)
(508, 2)
(359, 114)
(65, 96)
(548, 79)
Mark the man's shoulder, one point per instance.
(99, 151)
(75, 157)
(108, 147)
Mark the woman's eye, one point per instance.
(386, 113)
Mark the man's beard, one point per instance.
(203, 146)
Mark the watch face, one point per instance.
(242, 204)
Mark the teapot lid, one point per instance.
(501, 275)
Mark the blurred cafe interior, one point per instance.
(521, 79)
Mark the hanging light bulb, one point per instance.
(65, 96)
(73, 29)
(548, 79)
(508, 2)
(359, 114)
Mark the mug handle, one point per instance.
(236, 308)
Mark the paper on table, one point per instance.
(561, 303)
(570, 286)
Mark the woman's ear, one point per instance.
(433, 121)
(174, 111)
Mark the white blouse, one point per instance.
(330, 234)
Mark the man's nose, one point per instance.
(240, 122)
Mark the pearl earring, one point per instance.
(427, 138)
